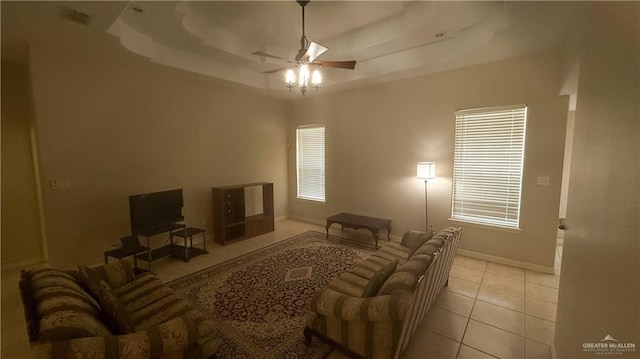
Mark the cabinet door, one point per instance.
(233, 206)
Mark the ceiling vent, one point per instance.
(75, 16)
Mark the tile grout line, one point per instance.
(470, 313)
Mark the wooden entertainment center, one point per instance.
(230, 220)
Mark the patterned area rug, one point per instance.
(258, 300)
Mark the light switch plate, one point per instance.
(60, 184)
(543, 180)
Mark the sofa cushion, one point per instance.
(398, 282)
(64, 310)
(115, 274)
(417, 265)
(112, 307)
(396, 251)
(90, 280)
(430, 247)
(150, 302)
(49, 282)
(378, 279)
(349, 283)
(414, 239)
(445, 234)
(368, 267)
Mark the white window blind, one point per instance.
(310, 162)
(488, 164)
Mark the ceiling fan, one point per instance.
(305, 61)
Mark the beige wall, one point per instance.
(600, 281)
(21, 239)
(566, 168)
(375, 136)
(115, 125)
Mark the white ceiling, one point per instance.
(388, 39)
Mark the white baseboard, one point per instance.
(23, 263)
(560, 241)
(506, 261)
(308, 220)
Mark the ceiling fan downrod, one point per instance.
(304, 43)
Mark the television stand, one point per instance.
(172, 249)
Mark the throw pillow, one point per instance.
(378, 279)
(90, 280)
(400, 281)
(430, 247)
(414, 239)
(117, 314)
(116, 274)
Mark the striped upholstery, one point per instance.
(62, 309)
(368, 267)
(378, 279)
(116, 273)
(66, 321)
(380, 326)
(407, 275)
(414, 239)
(172, 339)
(394, 251)
(349, 283)
(150, 303)
(365, 326)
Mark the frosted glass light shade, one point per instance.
(316, 78)
(290, 77)
(303, 76)
(426, 170)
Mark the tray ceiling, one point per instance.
(389, 39)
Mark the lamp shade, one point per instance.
(426, 170)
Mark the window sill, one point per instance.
(484, 226)
(311, 199)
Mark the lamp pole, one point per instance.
(426, 207)
(426, 171)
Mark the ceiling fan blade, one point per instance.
(264, 54)
(274, 70)
(313, 51)
(349, 65)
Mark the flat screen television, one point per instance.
(152, 211)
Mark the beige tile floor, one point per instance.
(488, 310)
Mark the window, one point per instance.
(488, 163)
(310, 162)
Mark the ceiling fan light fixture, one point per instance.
(304, 79)
(305, 61)
(290, 78)
(303, 75)
(316, 78)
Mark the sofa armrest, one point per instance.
(177, 335)
(330, 303)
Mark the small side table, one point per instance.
(189, 232)
(120, 253)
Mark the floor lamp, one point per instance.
(426, 171)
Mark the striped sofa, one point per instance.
(373, 310)
(108, 312)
